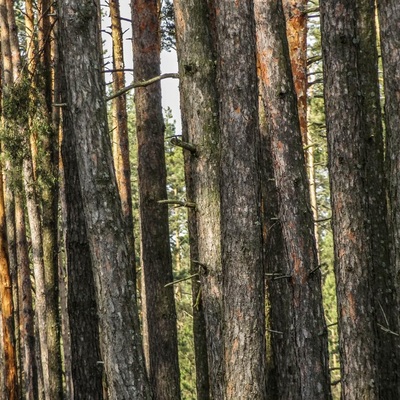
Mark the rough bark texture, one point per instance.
(383, 285)
(48, 173)
(86, 122)
(301, 318)
(9, 190)
(158, 303)
(38, 269)
(87, 369)
(120, 129)
(6, 294)
(7, 308)
(241, 235)
(363, 273)
(389, 22)
(199, 106)
(29, 378)
(296, 32)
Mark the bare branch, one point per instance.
(178, 203)
(142, 84)
(185, 145)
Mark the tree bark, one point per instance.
(6, 294)
(389, 17)
(298, 315)
(158, 303)
(86, 122)
(7, 308)
(29, 380)
(48, 174)
(241, 235)
(199, 106)
(120, 129)
(363, 272)
(86, 364)
(296, 31)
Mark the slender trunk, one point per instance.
(8, 186)
(120, 129)
(241, 235)
(199, 105)
(49, 197)
(296, 32)
(363, 273)
(6, 295)
(158, 303)
(85, 121)
(38, 269)
(298, 316)
(389, 17)
(29, 381)
(7, 308)
(382, 283)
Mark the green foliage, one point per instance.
(180, 255)
(317, 129)
(168, 34)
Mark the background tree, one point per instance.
(120, 128)
(158, 304)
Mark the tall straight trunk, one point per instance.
(241, 235)
(383, 285)
(49, 197)
(199, 107)
(120, 129)
(6, 294)
(29, 380)
(365, 289)
(7, 307)
(38, 269)
(298, 316)
(85, 120)
(86, 366)
(296, 32)
(33, 211)
(158, 303)
(389, 17)
(8, 184)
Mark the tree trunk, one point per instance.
(383, 285)
(6, 294)
(199, 106)
(7, 308)
(9, 187)
(120, 129)
(29, 381)
(363, 273)
(389, 17)
(241, 235)
(48, 171)
(159, 314)
(38, 268)
(86, 365)
(299, 314)
(296, 32)
(86, 122)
